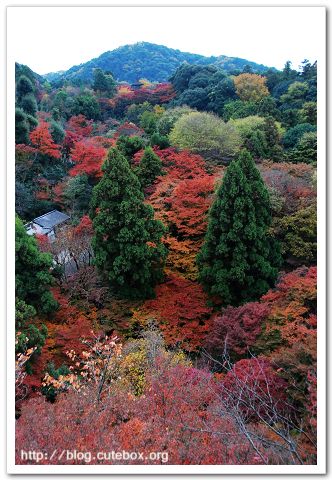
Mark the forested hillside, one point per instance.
(175, 311)
(154, 62)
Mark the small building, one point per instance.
(47, 224)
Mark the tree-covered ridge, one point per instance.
(147, 60)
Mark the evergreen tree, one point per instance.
(149, 168)
(29, 104)
(33, 277)
(238, 261)
(127, 240)
(104, 83)
(21, 127)
(24, 87)
(128, 146)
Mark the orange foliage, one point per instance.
(189, 205)
(181, 258)
(181, 311)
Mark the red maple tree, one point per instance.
(42, 140)
(88, 158)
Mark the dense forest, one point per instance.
(174, 309)
(157, 63)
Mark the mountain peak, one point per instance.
(146, 60)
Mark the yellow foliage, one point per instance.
(251, 87)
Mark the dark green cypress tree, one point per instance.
(33, 277)
(150, 167)
(239, 261)
(127, 239)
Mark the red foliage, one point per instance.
(237, 328)
(128, 129)
(23, 150)
(293, 307)
(41, 138)
(69, 142)
(57, 192)
(80, 125)
(154, 94)
(178, 416)
(189, 204)
(182, 165)
(44, 191)
(181, 310)
(256, 387)
(294, 182)
(65, 329)
(84, 227)
(182, 197)
(290, 332)
(88, 157)
(43, 242)
(104, 141)
(312, 388)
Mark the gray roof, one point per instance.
(51, 219)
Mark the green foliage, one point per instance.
(127, 240)
(277, 201)
(169, 117)
(194, 98)
(33, 277)
(29, 104)
(21, 127)
(128, 146)
(77, 194)
(24, 87)
(296, 94)
(87, 105)
(148, 121)
(64, 105)
(32, 121)
(293, 135)
(146, 60)
(28, 334)
(306, 149)
(205, 134)
(309, 112)
(50, 391)
(149, 168)
(23, 313)
(245, 126)
(239, 109)
(260, 136)
(238, 261)
(104, 83)
(161, 141)
(57, 132)
(135, 110)
(298, 236)
(32, 336)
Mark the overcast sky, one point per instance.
(48, 39)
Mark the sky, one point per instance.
(49, 39)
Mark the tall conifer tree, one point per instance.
(150, 168)
(127, 239)
(239, 261)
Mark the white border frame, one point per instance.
(320, 468)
